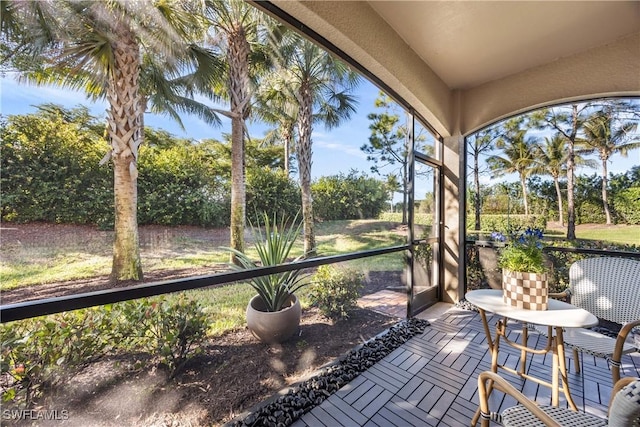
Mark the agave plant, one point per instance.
(273, 248)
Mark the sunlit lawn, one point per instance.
(621, 234)
(625, 234)
(55, 262)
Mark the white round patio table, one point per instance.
(559, 315)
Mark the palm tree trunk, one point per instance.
(286, 131)
(125, 134)
(523, 185)
(238, 58)
(571, 165)
(556, 181)
(304, 165)
(605, 200)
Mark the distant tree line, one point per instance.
(557, 142)
(623, 190)
(51, 172)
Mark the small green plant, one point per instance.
(170, 328)
(37, 353)
(273, 249)
(335, 291)
(41, 352)
(523, 252)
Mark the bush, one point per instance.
(350, 196)
(627, 206)
(41, 352)
(273, 192)
(169, 327)
(335, 291)
(507, 224)
(37, 352)
(590, 213)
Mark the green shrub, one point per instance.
(271, 191)
(627, 206)
(335, 291)
(589, 212)
(41, 352)
(169, 327)
(419, 218)
(508, 224)
(37, 352)
(351, 196)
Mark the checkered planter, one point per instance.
(525, 290)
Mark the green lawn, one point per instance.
(69, 258)
(620, 234)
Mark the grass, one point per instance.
(54, 261)
(226, 305)
(623, 234)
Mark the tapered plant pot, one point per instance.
(273, 327)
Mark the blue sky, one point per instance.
(336, 150)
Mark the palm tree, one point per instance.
(237, 37)
(607, 135)
(551, 159)
(517, 155)
(100, 47)
(567, 122)
(320, 86)
(275, 106)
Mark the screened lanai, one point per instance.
(464, 65)
(455, 67)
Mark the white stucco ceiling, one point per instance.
(468, 43)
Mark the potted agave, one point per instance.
(524, 273)
(273, 314)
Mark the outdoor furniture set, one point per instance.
(606, 288)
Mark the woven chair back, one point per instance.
(608, 287)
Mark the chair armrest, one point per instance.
(496, 381)
(619, 385)
(617, 350)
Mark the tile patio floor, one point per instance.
(431, 380)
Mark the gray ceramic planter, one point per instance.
(273, 327)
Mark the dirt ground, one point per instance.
(234, 372)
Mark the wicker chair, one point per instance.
(609, 288)
(624, 407)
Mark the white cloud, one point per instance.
(341, 147)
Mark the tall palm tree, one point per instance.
(551, 159)
(237, 28)
(567, 121)
(517, 155)
(101, 47)
(276, 106)
(607, 135)
(321, 87)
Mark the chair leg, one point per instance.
(576, 360)
(581, 371)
